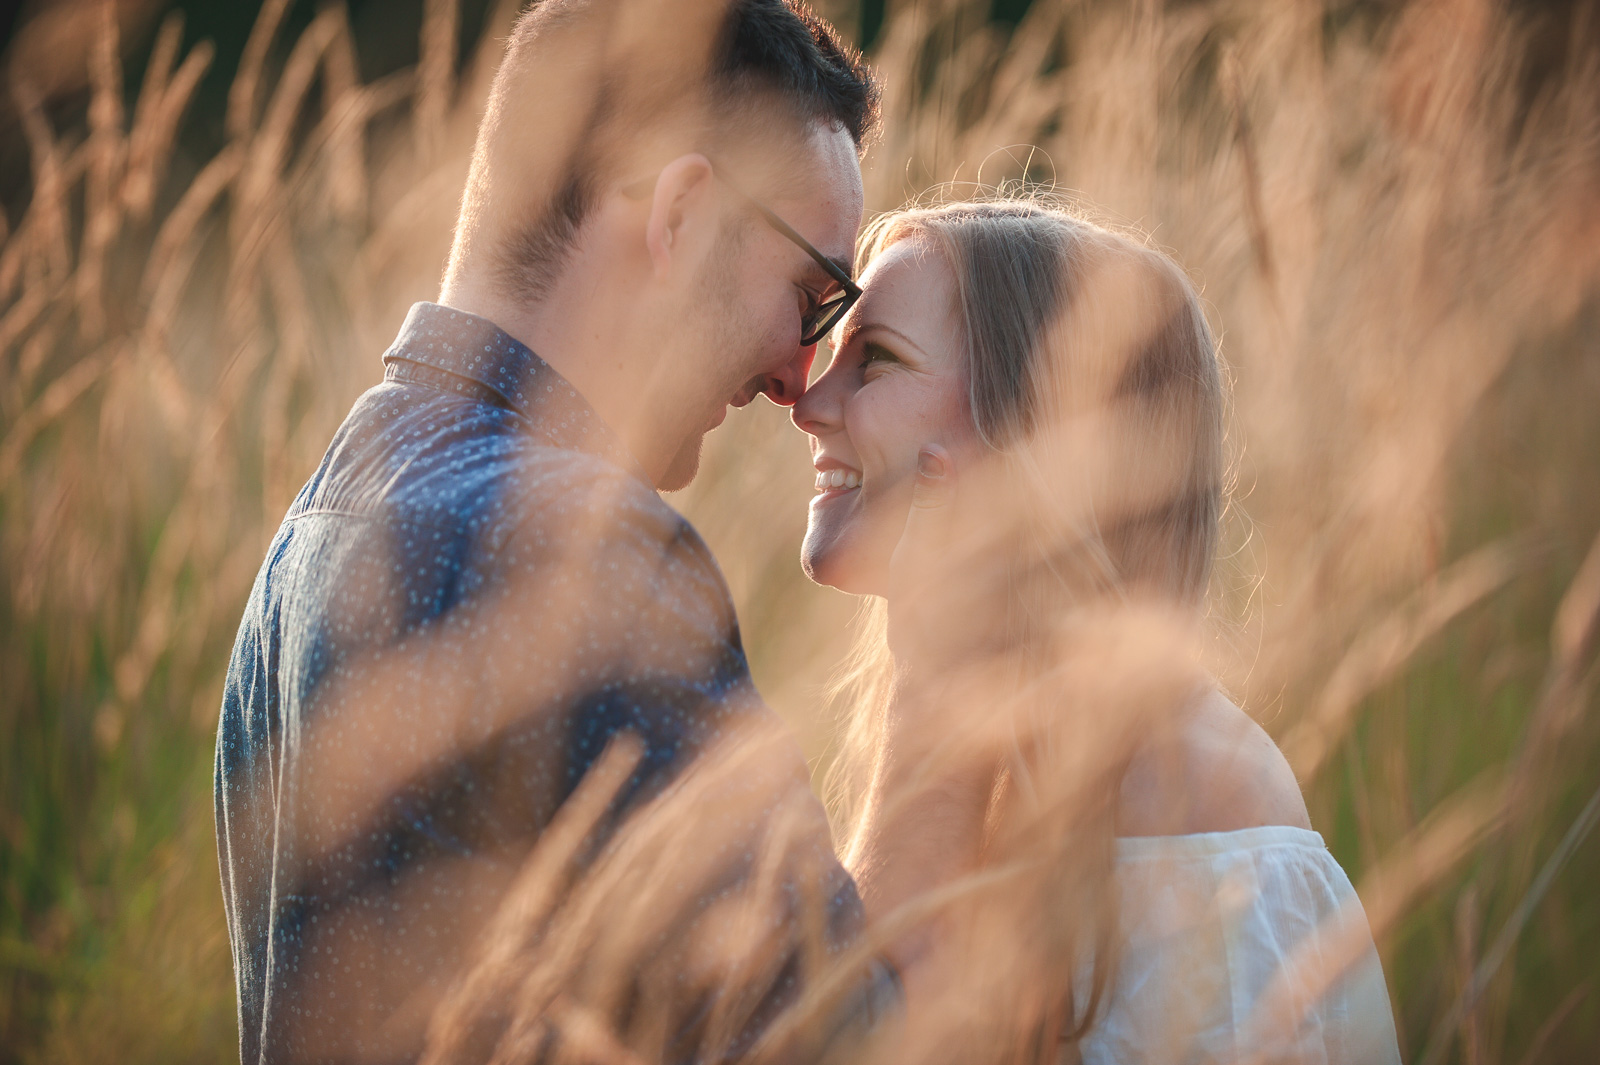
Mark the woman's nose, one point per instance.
(785, 386)
(820, 408)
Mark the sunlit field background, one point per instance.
(214, 225)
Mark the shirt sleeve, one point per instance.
(1246, 945)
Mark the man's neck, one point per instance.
(588, 350)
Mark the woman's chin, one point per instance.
(834, 566)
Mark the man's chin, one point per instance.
(684, 465)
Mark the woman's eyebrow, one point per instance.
(857, 329)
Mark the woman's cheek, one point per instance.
(920, 416)
(869, 422)
(885, 433)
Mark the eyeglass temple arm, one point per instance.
(833, 268)
(641, 188)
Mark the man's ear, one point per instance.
(681, 193)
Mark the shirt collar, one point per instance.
(467, 346)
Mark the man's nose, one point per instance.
(785, 385)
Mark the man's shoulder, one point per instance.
(506, 501)
(584, 512)
(444, 459)
(590, 499)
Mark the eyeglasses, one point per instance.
(823, 314)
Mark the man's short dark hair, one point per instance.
(766, 55)
(781, 49)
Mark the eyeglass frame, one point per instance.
(852, 291)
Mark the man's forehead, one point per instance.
(825, 197)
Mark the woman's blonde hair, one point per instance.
(1094, 380)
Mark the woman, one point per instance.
(1019, 446)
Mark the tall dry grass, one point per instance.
(1397, 235)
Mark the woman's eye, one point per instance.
(876, 353)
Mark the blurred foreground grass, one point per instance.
(1393, 211)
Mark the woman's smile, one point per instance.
(834, 481)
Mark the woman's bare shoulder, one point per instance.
(1217, 771)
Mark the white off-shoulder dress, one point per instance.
(1247, 946)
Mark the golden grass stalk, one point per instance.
(1378, 654)
(107, 153)
(436, 75)
(1497, 953)
(243, 90)
(346, 148)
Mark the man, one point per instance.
(479, 589)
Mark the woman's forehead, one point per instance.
(910, 288)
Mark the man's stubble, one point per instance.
(728, 331)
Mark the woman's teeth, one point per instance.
(827, 479)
